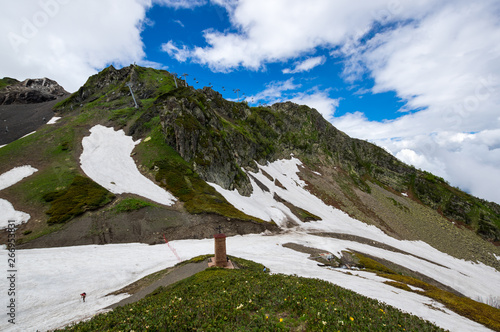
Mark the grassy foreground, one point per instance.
(251, 300)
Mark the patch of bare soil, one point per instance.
(148, 225)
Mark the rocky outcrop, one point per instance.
(31, 91)
(111, 85)
(221, 139)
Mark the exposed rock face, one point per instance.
(221, 139)
(31, 91)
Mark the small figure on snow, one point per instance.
(83, 295)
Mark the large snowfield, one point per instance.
(49, 281)
(106, 160)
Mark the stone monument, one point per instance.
(220, 258)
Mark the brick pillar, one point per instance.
(220, 250)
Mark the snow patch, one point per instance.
(28, 134)
(8, 213)
(414, 288)
(106, 160)
(54, 120)
(15, 175)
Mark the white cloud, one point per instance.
(278, 30)
(181, 4)
(68, 40)
(306, 65)
(180, 54)
(276, 92)
(319, 100)
(446, 63)
(179, 22)
(273, 92)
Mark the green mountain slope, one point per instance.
(191, 137)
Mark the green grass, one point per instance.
(251, 300)
(482, 216)
(124, 115)
(476, 311)
(372, 265)
(82, 195)
(6, 81)
(129, 205)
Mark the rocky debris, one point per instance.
(31, 91)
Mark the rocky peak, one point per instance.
(31, 91)
(111, 84)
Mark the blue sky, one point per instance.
(186, 26)
(419, 78)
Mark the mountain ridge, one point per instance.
(220, 140)
(280, 172)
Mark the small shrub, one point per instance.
(82, 195)
(130, 204)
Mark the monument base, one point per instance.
(212, 263)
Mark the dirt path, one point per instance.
(175, 275)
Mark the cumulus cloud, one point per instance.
(180, 54)
(318, 99)
(274, 91)
(305, 65)
(68, 40)
(278, 30)
(447, 71)
(281, 91)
